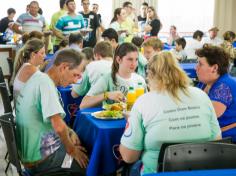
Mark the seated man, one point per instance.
(213, 38)
(151, 47)
(193, 44)
(43, 138)
(111, 36)
(94, 70)
(179, 51)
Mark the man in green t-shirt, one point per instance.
(44, 140)
(55, 17)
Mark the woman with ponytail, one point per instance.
(118, 18)
(30, 57)
(115, 85)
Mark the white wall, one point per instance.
(51, 6)
(187, 15)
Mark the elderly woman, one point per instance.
(229, 37)
(172, 111)
(212, 71)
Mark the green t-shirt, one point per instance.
(37, 101)
(142, 63)
(156, 119)
(55, 17)
(94, 70)
(105, 84)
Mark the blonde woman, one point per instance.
(30, 57)
(172, 111)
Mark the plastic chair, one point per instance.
(4, 94)
(8, 127)
(227, 140)
(199, 156)
(5, 98)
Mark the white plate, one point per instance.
(86, 30)
(94, 114)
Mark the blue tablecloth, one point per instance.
(99, 137)
(189, 68)
(48, 57)
(226, 172)
(167, 46)
(71, 105)
(234, 44)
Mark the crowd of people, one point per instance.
(102, 64)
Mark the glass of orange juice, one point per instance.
(139, 90)
(131, 97)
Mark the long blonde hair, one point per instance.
(24, 55)
(164, 74)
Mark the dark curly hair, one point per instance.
(215, 55)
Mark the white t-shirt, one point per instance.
(216, 41)
(94, 70)
(156, 119)
(191, 46)
(105, 84)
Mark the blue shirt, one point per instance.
(224, 91)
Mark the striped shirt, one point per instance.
(30, 23)
(68, 24)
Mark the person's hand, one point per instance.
(126, 114)
(147, 28)
(84, 32)
(47, 33)
(74, 138)
(80, 156)
(116, 96)
(122, 31)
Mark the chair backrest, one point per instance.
(199, 156)
(8, 127)
(4, 94)
(227, 140)
(1, 76)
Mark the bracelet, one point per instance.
(105, 95)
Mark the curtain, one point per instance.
(224, 13)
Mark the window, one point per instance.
(187, 15)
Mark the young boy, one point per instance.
(179, 52)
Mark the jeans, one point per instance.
(132, 169)
(53, 164)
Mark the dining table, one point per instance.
(70, 104)
(218, 172)
(101, 138)
(190, 69)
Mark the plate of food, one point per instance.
(121, 106)
(108, 115)
(111, 111)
